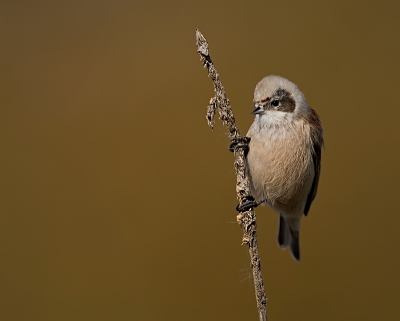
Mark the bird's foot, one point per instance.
(240, 142)
(249, 203)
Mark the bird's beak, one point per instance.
(257, 110)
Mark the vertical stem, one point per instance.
(246, 219)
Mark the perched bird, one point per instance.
(284, 156)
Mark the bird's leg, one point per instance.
(249, 203)
(240, 142)
(248, 200)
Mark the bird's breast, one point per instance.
(280, 164)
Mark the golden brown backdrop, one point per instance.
(107, 211)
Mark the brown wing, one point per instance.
(318, 143)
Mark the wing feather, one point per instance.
(317, 143)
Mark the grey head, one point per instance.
(277, 96)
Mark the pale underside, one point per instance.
(280, 164)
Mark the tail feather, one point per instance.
(288, 236)
(294, 245)
(283, 234)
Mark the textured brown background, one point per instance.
(117, 201)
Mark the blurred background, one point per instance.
(117, 202)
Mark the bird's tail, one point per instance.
(288, 236)
(283, 234)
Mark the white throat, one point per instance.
(274, 119)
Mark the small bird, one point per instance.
(284, 155)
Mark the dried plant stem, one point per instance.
(246, 219)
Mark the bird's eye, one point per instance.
(275, 103)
